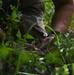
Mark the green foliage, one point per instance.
(4, 51)
(72, 23)
(53, 58)
(58, 59)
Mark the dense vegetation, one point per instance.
(56, 59)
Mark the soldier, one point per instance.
(32, 16)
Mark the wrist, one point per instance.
(54, 33)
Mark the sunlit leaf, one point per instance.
(73, 67)
(66, 70)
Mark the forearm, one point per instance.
(62, 18)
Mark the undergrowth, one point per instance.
(57, 59)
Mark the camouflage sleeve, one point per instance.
(33, 15)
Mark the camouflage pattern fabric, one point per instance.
(32, 13)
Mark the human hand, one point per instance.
(45, 41)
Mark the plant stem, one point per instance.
(18, 62)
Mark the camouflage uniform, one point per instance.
(32, 13)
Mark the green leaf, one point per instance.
(28, 36)
(56, 53)
(41, 66)
(16, 20)
(27, 58)
(53, 57)
(73, 67)
(57, 61)
(14, 14)
(48, 58)
(18, 34)
(4, 51)
(66, 70)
